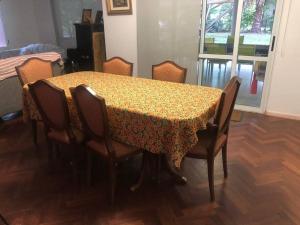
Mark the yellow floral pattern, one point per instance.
(154, 115)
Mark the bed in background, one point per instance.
(10, 87)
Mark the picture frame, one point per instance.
(99, 17)
(119, 7)
(86, 16)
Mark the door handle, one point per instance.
(273, 43)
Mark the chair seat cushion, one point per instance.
(204, 142)
(122, 150)
(63, 137)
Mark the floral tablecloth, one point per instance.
(154, 115)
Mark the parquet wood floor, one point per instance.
(263, 185)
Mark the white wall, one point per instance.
(284, 95)
(27, 21)
(121, 35)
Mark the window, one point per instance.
(3, 42)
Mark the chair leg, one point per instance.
(210, 169)
(112, 171)
(89, 168)
(74, 166)
(50, 154)
(211, 71)
(50, 150)
(140, 181)
(158, 167)
(34, 131)
(224, 157)
(58, 150)
(3, 220)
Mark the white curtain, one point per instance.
(3, 42)
(68, 12)
(168, 30)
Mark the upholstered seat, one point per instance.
(119, 66)
(169, 71)
(204, 142)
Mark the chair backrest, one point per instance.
(119, 66)
(169, 71)
(92, 111)
(216, 49)
(226, 105)
(51, 103)
(247, 50)
(34, 69)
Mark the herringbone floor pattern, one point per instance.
(263, 185)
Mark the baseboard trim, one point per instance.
(283, 115)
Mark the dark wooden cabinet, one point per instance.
(90, 45)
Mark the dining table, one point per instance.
(157, 116)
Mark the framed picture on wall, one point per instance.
(86, 16)
(119, 7)
(99, 17)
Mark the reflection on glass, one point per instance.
(256, 27)
(220, 27)
(252, 75)
(215, 72)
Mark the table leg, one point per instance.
(168, 164)
(143, 172)
(34, 131)
(173, 171)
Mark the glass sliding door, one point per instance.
(217, 42)
(253, 53)
(237, 38)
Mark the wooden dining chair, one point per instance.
(52, 105)
(119, 66)
(93, 115)
(169, 71)
(31, 70)
(215, 137)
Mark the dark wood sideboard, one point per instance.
(90, 51)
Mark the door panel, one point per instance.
(216, 72)
(252, 74)
(236, 39)
(256, 32)
(219, 27)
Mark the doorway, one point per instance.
(238, 37)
